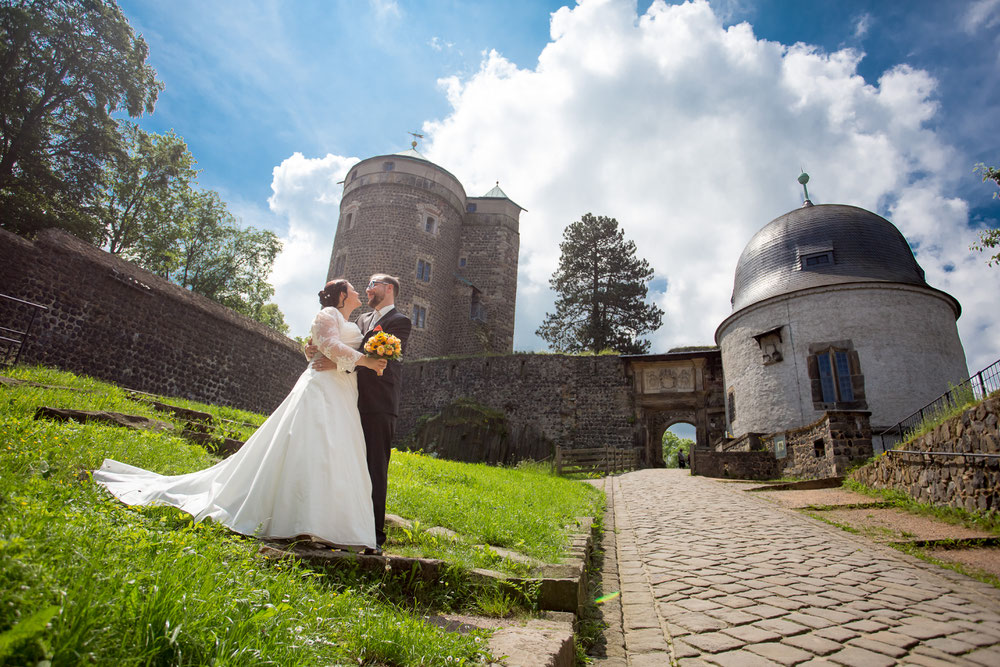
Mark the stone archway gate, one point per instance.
(677, 387)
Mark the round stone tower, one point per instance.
(832, 312)
(455, 256)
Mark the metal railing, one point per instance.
(13, 337)
(977, 387)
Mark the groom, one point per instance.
(378, 396)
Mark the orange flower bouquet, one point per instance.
(383, 345)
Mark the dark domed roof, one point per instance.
(821, 245)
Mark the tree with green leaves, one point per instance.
(211, 254)
(674, 444)
(65, 67)
(139, 186)
(989, 238)
(602, 288)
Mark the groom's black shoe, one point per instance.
(377, 551)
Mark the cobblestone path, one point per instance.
(710, 574)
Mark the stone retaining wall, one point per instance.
(748, 442)
(968, 483)
(571, 401)
(734, 464)
(826, 448)
(110, 319)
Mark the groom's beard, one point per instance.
(374, 302)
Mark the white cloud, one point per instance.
(438, 45)
(691, 134)
(862, 25)
(306, 193)
(385, 9)
(982, 14)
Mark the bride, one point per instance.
(303, 473)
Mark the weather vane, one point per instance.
(803, 179)
(415, 137)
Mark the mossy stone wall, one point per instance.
(971, 483)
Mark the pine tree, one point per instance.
(602, 290)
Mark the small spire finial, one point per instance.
(415, 137)
(803, 179)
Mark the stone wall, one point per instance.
(969, 483)
(748, 442)
(466, 431)
(734, 465)
(574, 402)
(110, 319)
(826, 448)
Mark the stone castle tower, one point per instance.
(455, 256)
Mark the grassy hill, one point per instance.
(85, 579)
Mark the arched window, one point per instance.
(835, 377)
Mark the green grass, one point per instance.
(962, 399)
(926, 555)
(915, 550)
(526, 509)
(96, 395)
(84, 578)
(988, 521)
(149, 587)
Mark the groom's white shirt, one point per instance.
(379, 314)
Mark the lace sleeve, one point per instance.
(326, 336)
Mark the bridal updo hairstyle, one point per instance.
(334, 294)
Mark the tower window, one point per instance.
(349, 221)
(338, 265)
(419, 317)
(835, 376)
(816, 260)
(470, 208)
(430, 225)
(477, 312)
(819, 448)
(388, 166)
(423, 271)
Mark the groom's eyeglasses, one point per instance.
(373, 283)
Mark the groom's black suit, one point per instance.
(378, 403)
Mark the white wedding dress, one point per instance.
(304, 472)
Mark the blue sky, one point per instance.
(687, 122)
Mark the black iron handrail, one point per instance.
(17, 337)
(980, 385)
(913, 451)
